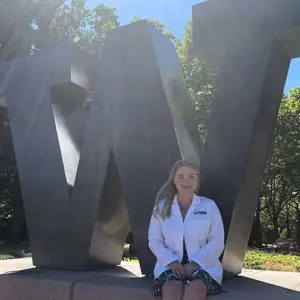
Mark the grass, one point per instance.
(127, 256)
(261, 260)
(8, 251)
(255, 259)
(14, 254)
(5, 256)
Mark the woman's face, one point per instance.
(186, 180)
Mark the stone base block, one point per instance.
(120, 284)
(70, 285)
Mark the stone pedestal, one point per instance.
(37, 284)
(20, 281)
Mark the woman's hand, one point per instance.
(190, 268)
(178, 269)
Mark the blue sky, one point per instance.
(174, 14)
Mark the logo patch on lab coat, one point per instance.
(199, 212)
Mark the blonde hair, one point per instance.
(168, 191)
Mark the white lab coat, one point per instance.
(203, 232)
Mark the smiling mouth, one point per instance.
(186, 187)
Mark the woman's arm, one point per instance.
(157, 243)
(214, 247)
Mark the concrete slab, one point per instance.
(14, 265)
(287, 280)
(21, 281)
(42, 284)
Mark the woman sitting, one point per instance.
(186, 235)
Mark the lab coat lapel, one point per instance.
(176, 209)
(177, 221)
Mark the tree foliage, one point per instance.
(34, 25)
(201, 84)
(280, 194)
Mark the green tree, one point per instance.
(281, 185)
(85, 27)
(201, 84)
(35, 25)
(11, 206)
(16, 19)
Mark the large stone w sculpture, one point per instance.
(250, 44)
(91, 165)
(92, 150)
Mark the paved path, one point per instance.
(288, 280)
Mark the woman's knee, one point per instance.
(172, 290)
(196, 290)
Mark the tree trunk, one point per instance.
(298, 225)
(256, 231)
(256, 234)
(275, 228)
(288, 223)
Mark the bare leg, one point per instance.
(172, 290)
(196, 290)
